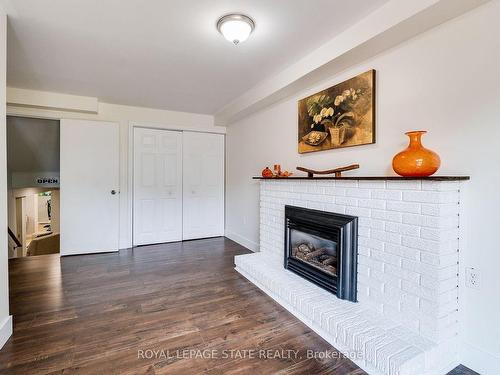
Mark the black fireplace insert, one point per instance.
(322, 247)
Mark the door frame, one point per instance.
(32, 114)
(125, 164)
(20, 204)
(130, 164)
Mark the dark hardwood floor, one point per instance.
(166, 309)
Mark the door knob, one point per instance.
(113, 192)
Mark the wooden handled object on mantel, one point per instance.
(337, 171)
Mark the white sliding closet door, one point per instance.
(89, 202)
(157, 186)
(203, 176)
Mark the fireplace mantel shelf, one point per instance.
(381, 178)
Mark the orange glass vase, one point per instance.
(416, 160)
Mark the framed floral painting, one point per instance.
(340, 116)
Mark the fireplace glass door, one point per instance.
(322, 247)
(316, 251)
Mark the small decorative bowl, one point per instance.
(315, 138)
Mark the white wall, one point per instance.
(445, 81)
(127, 117)
(5, 319)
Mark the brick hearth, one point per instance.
(406, 320)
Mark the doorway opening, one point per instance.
(33, 186)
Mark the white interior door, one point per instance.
(157, 186)
(203, 185)
(89, 200)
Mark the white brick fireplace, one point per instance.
(406, 318)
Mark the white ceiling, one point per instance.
(164, 53)
(32, 145)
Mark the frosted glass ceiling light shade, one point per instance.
(235, 27)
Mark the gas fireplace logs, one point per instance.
(320, 258)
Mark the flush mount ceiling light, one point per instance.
(235, 27)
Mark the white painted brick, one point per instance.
(405, 229)
(313, 197)
(312, 188)
(371, 283)
(373, 305)
(363, 231)
(386, 236)
(409, 302)
(412, 339)
(366, 184)
(385, 277)
(363, 269)
(428, 245)
(417, 290)
(358, 193)
(326, 183)
(336, 208)
(434, 281)
(300, 188)
(370, 262)
(405, 185)
(409, 361)
(377, 294)
(316, 206)
(430, 196)
(364, 251)
(358, 211)
(393, 292)
(418, 267)
(371, 243)
(403, 207)
(444, 260)
(389, 216)
(413, 282)
(386, 258)
(337, 191)
(387, 194)
(293, 195)
(402, 251)
(347, 201)
(398, 272)
(437, 309)
(441, 185)
(395, 314)
(440, 209)
(346, 183)
(372, 203)
(439, 234)
(430, 221)
(371, 223)
(441, 286)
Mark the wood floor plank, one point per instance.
(96, 314)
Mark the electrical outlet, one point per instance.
(472, 278)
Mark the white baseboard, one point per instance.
(5, 330)
(479, 360)
(243, 241)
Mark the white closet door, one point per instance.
(157, 186)
(203, 176)
(89, 206)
